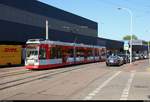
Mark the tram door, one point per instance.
(56, 54)
(64, 54)
(67, 54)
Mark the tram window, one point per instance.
(103, 52)
(80, 52)
(52, 56)
(56, 52)
(97, 53)
(59, 52)
(42, 53)
(70, 52)
(31, 53)
(90, 53)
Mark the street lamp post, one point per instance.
(101, 28)
(148, 48)
(131, 26)
(148, 53)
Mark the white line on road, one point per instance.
(93, 93)
(125, 92)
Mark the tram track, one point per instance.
(24, 80)
(11, 69)
(15, 73)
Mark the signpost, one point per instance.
(126, 46)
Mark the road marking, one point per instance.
(125, 92)
(93, 93)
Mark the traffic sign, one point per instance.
(126, 47)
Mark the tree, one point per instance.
(128, 37)
(146, 42)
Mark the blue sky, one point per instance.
(113, 23)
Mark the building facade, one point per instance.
(21, 20)
(139, 47)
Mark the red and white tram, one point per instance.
(42, 54)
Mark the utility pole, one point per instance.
(46, 29)
(74, 49)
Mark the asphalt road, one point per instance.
(92, 81)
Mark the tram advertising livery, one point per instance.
(44, 54)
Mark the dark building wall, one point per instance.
(101, 42)
(18, 32)
(25, 19)
(140, 47)
(49, 11)
(21, 20)
(23, 33)
(115, 45)
(111, 44)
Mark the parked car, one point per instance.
(136, 56)
(133, 59)
(114, 60)
(126, 58)
(145, 56)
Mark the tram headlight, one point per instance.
(36, 61)
(32, 62)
